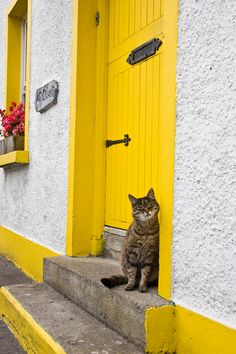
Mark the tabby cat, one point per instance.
(140, 250)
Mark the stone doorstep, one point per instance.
(112, 246)
(73, 329)
(79, 280)
(68, 325)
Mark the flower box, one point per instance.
(11, 143)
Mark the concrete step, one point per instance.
(48, 323)
(79, 280)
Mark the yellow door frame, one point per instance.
(86, 175)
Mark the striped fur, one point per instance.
(140, 250)
(114, 280)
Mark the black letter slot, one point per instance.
(144, 51)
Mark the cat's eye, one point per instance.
(140, 208)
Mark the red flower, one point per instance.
(14, 122)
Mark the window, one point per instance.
(23, 59)
(17, 69)
(17, 46)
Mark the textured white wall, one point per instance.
(34, 198)
(204, 239)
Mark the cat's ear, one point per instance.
(132, 199)
(151, 194)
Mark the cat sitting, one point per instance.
(140, 250)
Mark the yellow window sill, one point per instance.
(14, 158)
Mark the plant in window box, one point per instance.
(13, 128)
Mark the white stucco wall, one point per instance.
(33, 199)
(204, 239)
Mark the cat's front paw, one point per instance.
(129, 287)
(143, 289)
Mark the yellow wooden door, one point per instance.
(133, 106)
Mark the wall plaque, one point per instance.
(46, 96)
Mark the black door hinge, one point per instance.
(97, 17)
(126, 141)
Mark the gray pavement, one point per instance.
(10, 275)
(8, 343)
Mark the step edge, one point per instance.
(139, 344)
(62, 289)
(81, 275)
(84, 307)
(14, 315)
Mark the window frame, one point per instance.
(16, 12)
(23, 75)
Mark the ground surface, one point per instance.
(8, 343)
(9, 274)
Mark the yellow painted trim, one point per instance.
(13, 60)
(11, 6)
(167, 143)
(196, 334)
(14, 157)
(17, 8)
(100, 130)
(26, 254)
(31, 336)
(27, 93)
(174, 329)
(81, 144)
(160, 330)
(15, 13)
(70, 231)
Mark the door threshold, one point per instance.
(114, 231)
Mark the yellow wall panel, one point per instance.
(196, 334)
(26, 254)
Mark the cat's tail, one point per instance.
(114, 280)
